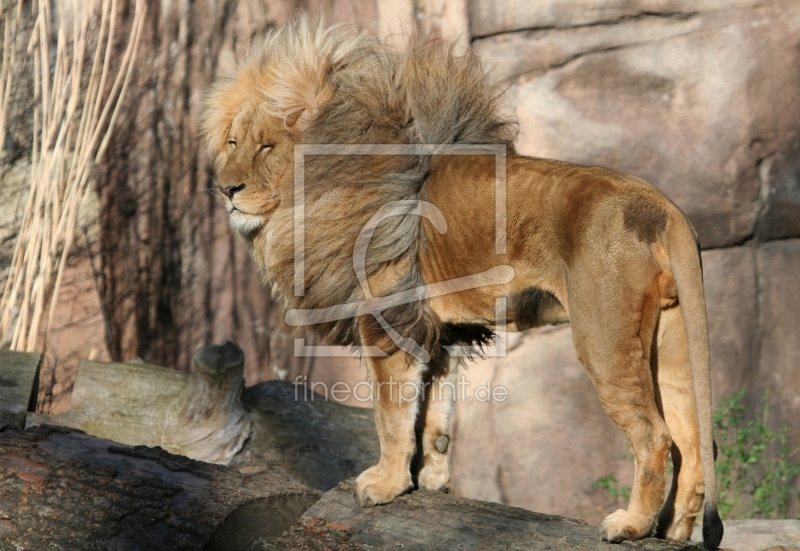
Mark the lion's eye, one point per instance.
(265, 147)
(232, 143)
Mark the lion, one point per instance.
(378, 190)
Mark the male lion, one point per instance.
(423, 229)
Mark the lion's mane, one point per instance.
(359, 91)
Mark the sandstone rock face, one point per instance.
(703, 103)
(731, 300)
(500, 16)
(779, 348)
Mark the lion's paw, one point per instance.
(435, 474)
(621, 525)
(679, 529)
(432, 480)
(377, 485)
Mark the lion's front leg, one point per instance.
(434, 428)
(396, 387)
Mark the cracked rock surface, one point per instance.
(703, 103)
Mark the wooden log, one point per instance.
(210, 423)
(17, 379)
(199, 415)
(66, 490)
(124, 402)
(316, 442)
(426, 520)
(276, 426)
(60, 489)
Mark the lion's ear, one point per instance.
(308, 101)
(297, 121)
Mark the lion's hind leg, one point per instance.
(674, 386)
(613, 331)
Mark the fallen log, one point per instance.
(275, 427)
(315, 442)
(426, 520)
(209, 422)
(17, 382)
(197, 415)
(61, 489)
(64, 489)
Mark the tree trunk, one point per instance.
(61, 489)
(66, 490)
(210, 423)
(17, 378)
(199, 415)
(426, 520)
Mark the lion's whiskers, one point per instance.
(214, 190)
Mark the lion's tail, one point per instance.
(686, 268)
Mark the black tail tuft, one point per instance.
(712, 529)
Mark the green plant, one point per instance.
(755, 470)
(612, 487)
(754, 466)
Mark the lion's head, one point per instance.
(250, 164)
(307, 84)
(252, 122)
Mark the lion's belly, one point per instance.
(501, 308)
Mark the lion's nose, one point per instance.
(229, 191)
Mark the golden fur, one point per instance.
(605, 251)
